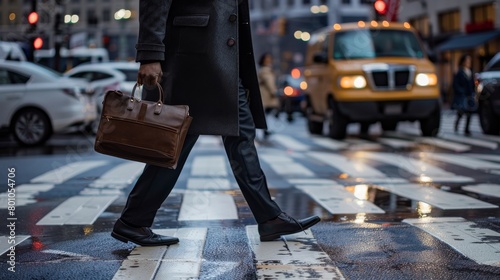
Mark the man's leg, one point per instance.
(152, 188)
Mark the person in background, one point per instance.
(463, 93)
(267, 85)
(202, 55)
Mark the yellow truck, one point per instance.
(369, 72)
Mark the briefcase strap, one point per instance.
(159, 104)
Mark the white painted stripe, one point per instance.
(456, 147)
(397, 143)
(346, 165)
(484, 189)
(284, 165)
(479, 244)
(436, 197)
(183, 260)
(180, 261)
(203, 205)
(290, 143)
(296, 256)
(5, 244)
(491, 137)
(120, 176)
(464, 160)
(25, 194)
(209, 140)
(470, 141)
(423, 170)
(78, 210)
(208, 183)
(485, 157)
(62, 173)
(314, 181)
(329, 143)
(208, 166)
(337, 200)
(73, 256)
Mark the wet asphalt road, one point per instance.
(381, 243)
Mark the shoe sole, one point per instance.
(126, 240)
(278, 235)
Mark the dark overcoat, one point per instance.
(463, 91)
(205, 46)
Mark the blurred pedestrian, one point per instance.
(201, 53)
(463, 92)
(267, 85)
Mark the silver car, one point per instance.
(36, 102)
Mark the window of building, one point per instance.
(306, 2)
(367, 2)
(106, 15)
(449, 21)
(482, 13)
(421, 24)
(346, 2)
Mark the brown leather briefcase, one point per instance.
(140, 130)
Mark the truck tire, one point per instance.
(430, 125)
(336, 122)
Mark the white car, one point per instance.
(36, 102)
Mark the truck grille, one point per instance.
(390, 77)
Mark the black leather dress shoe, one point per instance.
(283, 225)
(143, 236)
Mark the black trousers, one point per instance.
(156, 183)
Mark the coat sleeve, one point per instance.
(152, 27)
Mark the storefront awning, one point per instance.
(467, 41)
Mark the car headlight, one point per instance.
(357, 82)
(426, 79)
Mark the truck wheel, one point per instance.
(389, 125)
(336, 122)
(490, 123)
(430, 125)
(31, 127)
(314, 127)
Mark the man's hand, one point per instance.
(149, 74)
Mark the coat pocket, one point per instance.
(192, 31)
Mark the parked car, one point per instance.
(291, 93)
(488, 90)
(36, 102)
(370, 72)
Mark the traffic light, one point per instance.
(33, 17)
(380, 7)
(37, 43)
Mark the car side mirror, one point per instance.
(320, 57)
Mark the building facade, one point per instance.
(452, 28)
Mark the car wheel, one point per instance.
(430, 125)
(31, 127)
(487, 118)
(389, 125)
(336, 122)
(315, 127)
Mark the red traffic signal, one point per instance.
(380, 7)
(37, 43)
(33, 18)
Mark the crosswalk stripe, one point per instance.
(485, 157)
(470, 141)
(296, 256)
(355, 169)
(491, 137)
(397, 143)
(284, 165)
(290, 143)
(484, 189)
(205, 205)
(179, 261)
(5, 244)
(119, 176)
(78, 210)
(67, 171)
(464, 160)
(456, 147)
(424, 171)
(25, 194)
(208, 183)
(337, 200)
(208, 166)
(329, 143)
(478, 244)
(436, 197)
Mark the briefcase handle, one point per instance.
(159, 104)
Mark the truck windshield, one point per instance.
(365, 43)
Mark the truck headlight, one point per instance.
(426, 79)
(356, 82)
